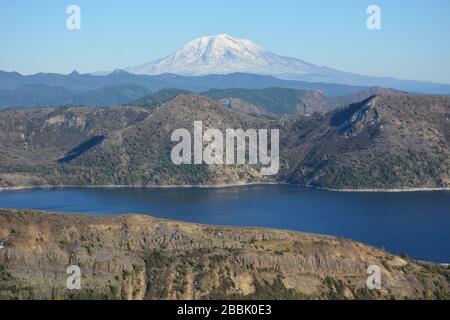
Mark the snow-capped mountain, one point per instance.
(224, 54)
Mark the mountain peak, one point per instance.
(224, 40)
(219, 49)
(222, 36)
(224, 54)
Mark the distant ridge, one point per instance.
(49, 89)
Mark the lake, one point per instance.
(416, 223)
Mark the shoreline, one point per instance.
(115, 186)
(394, 190)
(223, 186)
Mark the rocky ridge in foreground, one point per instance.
(140, 257)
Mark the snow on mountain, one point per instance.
(224, 54)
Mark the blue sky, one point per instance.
(414, 42)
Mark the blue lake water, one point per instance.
(415, 223)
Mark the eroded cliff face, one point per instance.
(139, 257)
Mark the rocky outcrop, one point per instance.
(139, 257)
